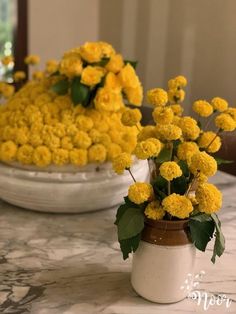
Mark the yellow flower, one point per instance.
(35, 139)
(115, 64)
(154, 211)
(207, 138)
(134, 95)
(209, 198)
(92, 75)
(177, 82)
(71, 66)
(112, 81)
(38, 75)
(121, 163)
(186, 150)
(176, 95)
(32, 59)
(7, 90)
(177, 205)
(202, 163)
(19, 76)
(189, 128)
(232, 111)
(97, 153)
(107, 49)
(219, 104)
(140, 192)
(145, 149)
(42, 156)
(170, 170)
(8, 151)
(147, 132)
(25, 154)
(108, 100)
(91, 52)
(113, 150)
(177, 109)
(22, 136)
(79, 157)
(131, 117)
(163, 115)
(128, 77)
(84, 123)
(193, 199)
(82, 140)
(7, 60)
(225, 122)
(203, 108)
(168, 132)
(52, 66)
(157, 97)
(60, 156)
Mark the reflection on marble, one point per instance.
(71, 264)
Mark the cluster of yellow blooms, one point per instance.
(185, 142)
(40, 127)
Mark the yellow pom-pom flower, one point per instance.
(113, 150)
(209, 138)
(177, 82)
(84, 123)
(168, 132)
(146, 149)
(92, 75)
(177, 109)
(154, 211)
(170, 170)
(225, 122)
(232, 111)
(147, 132)
(209, 198)
(8, 151)
(78, 157)
(128, 77)
(19, 76)
(177, 205)
(52, 66)
(25, 154)
(115, 64)
(71, 66)
(97, 153)
(157, 97)
(202, 163)
(140, 192)
(131, 117)
(163, 115)
(91, 52)
(7, 60)
(32, 59)
(189, 128)
(82, 140)
(108, 100)
(219, 104)
(42, 156)
(176, 95)
(60, 156)
(121, 163)
(186, 150)
(203, 108)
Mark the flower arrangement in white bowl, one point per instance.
(67, 119)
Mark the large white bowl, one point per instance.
(67, 191)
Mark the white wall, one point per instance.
(168, 37)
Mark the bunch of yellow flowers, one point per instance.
(180, 151)
(71, 113)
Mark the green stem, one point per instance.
(131, 174)
(169, 188)
(217, 133)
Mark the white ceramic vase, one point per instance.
(160, 271)
(67, 189)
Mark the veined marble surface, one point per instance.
(71, 264)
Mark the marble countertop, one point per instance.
(71, 264)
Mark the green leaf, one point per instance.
(165, 155)
(133, 63)
(130, 223)
(221, 161)
(101, 63)
(219, 245)
(120, 211)
(184, 167)
(199, 124)
(61, 87)
(201, 230)
(79, 92)
(129, 245)
(55, 73)
(179, 185)
(160, 186)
